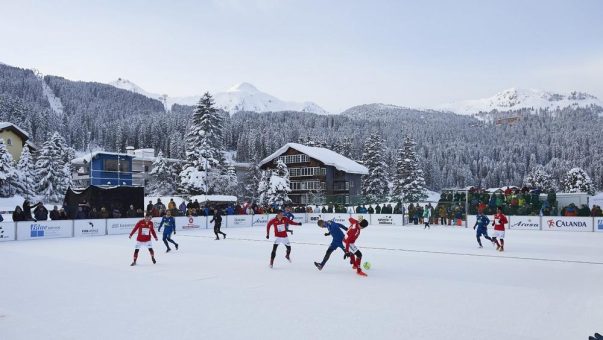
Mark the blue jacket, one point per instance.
(335, 231)
(482, 221)
(169, 223)
(288, 215)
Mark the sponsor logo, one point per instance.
(385, 220)
(2, 233)
(90, 230)
(528, 224)
(562, 224)
(37, 230)
(314, 218)
(600, 224)
(191, 224)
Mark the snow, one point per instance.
(422, 285)
(515, 99)
(4, 125)
(55, 102)
(241, 97)
(323, 155)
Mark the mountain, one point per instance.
(518, 99)
(241, 97)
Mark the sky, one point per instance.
(336, 53)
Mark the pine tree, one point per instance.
(25, 179)
(263, 186)
(232, 182)
(374, 185)
(279, 185)
(538, 178)
(253, 176)
(409, 183)
(204, 157)
(7, 171)
(52, 172)
(162, 179)
(577, 180)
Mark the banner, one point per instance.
(383, 219)
(116, 226)
(83, 228)
(313, 218)
(30, 230)
(191, 222)
(555, 223)
(299, 217)
(339, 218)
(524, 222)
(238, 221)
(261, 220)
(599, 224)
(7, 231)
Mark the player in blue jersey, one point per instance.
(481, 224)
(288, 214)
(169, 223)
(334, 229)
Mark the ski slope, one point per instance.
(423, 284)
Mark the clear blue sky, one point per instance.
(336, 53)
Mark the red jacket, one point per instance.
(279, 226)
(352, 233)
(499, 222)
(145, 230)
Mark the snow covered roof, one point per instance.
(86, 158)
(5, 125)
(213, 198)
(326, 156)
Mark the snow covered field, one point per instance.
(424, 284)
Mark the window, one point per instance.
(307, 185)
(9, 142)
(288, 159)
(111, 165)
(314, 171)
(341, 186)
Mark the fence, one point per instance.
(35, 230)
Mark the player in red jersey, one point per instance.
(350, 248)
(280, 234)
(499, 229)
(145, 230)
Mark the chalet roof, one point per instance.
(18, 130)
(86, 158)
(323, 155)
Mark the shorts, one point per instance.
(482, 231)
(499, 234)
(147, 244)
(353, 248)
(282, 240)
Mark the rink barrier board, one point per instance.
(36, 230)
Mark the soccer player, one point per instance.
(481, 223)
(288, 214)
(218, 223)
(335, 232)
(350, 248)
(170, 227)
(499, 229)
(145, 229)
(280, 235)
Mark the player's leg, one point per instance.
(220, 231)
(328, 253)
(165, 239)
(496, 242)
(135, 255)
(216, 230)
(502, 243)
(288, 246)
(273, 254)
(358, 262)
(152, 252)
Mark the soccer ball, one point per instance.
(367, 265)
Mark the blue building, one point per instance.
(103, 169)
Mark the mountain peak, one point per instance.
(243, 87)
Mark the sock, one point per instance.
(136, 254)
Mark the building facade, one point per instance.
(318, 175)
(15, 139)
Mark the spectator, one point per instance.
(570, 210)
(182, 208)
(18, 214)
(40, 212)
(324, 210)
(139, 213)
(80, 213)
(150, 206)
(370, 210)
(85, 208)
(54, 213)
(131, 212)
(196, 205)
(159, 205)
(116, 213)
(171, 204)
(378, 209)
(442, 213)
(63, 214)
(104, 213)
(388, 209)
(94, 214)
(249, 210)
(27, 211)
(230, 210)
(584, 211)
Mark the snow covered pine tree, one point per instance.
(409, 183)
(374, 185)
(7, 171)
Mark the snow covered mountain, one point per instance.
(241, 97)
(515, 99)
